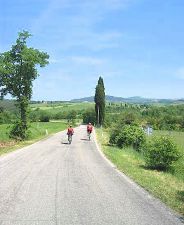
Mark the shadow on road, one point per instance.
(65, 143)
(84, 139)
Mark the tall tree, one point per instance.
(18, 70)
(100, 101)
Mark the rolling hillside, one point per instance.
(136, 99)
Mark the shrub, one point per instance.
(44, 118)
(113, 136)
(19, 131)
(34, 115)
(128, 118)
(128, 135)
(160, 153)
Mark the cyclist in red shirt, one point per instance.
(70, 132)
(89, 130)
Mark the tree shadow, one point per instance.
(180, 195)
(144, 167)
(108, 144)
(153, 168)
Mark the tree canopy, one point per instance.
(100, 101)
(18, 70)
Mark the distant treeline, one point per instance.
(160, 117)
(48, 102)
(169, 117)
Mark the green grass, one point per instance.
(164, 185)
(37, 130)
(176, 135)
(4, 129)
(177, 168)
(61, 107)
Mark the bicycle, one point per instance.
(69, 138)
(89, 135)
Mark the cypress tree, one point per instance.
(100, 102)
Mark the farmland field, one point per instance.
(60, 107)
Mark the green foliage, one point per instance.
(100, 102)
(164, 117)
(89, 116)
(71, 115)
(128, 135)
(128, 118)
(44, 118)
(8, 105)
(6, 117)
(169, 117)
(126, 131)
(113, 135)
(160, 153)
(18, 70)
(19, 131)
(34, 115)
(110, 119)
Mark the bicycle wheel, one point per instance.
(89, 136)
(69, 139)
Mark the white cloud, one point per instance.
(87, 60)
(54, 60)
(76, 27)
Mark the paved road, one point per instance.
(53, 183)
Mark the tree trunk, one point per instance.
(23, 113)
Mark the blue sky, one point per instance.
(137, 46)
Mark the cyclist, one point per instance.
(70, 132)
(89, 130)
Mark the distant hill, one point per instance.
(9, 104)
(135, 99)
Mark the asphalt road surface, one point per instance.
(54, 183)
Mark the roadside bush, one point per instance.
(19, 131)
(35, 115)
(44, 118)
(60, 115)
(128, 135)
(71, 115)
(113, 136)
(129, 118)
(160, 153)
(110, 120)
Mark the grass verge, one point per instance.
(37, 130)
(163, 185)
